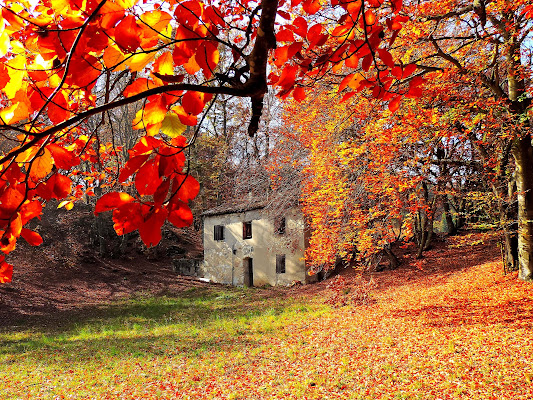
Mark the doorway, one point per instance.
(248, 267)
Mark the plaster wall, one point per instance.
(224, 260)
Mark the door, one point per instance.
(248, 267)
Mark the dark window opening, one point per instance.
(280, 226)
(280, 263)
(219, 232)
(247, 230)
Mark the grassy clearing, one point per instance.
(125, 349)
(465, 335)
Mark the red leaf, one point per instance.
(288, 76)
(314, 33)
(63, 158)
(300, 26)
(408, 70)
(386, 57)
(311, 6)
(132, 166)
(110, 201)
(31, 237)
(193, 103)
(147, 179)
(6, 271)
(394, 104)
(180, 214)
(367, 62)
(128, 34)
(127, 218)
(161, 192)
(299, 94)
(285, 35)
(188, 187)
(59, 185)
(84, 70)
(150, 229)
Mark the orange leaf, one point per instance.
(63, 158)
(41, 165)
(370, 17)
(6, 270)
(10, 200)
(207, 57)
(31, 237)
(110, 201)
(140, 85)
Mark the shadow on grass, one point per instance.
(461, 313)
(189, 324)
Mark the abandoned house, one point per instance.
(242, 246)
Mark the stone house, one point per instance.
(244, 247)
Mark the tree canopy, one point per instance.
(68, 64)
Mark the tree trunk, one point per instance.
(393, 260)
(523, 156)
(450, 226)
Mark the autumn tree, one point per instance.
(57, 55)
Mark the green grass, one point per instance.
(130, 343)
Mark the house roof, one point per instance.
(236, 206)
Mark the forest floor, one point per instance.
(449, 326)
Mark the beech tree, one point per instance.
(63, 60)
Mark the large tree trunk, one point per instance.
(523, 156)
(450, 226)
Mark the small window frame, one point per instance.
(218, 233)
(247, 230)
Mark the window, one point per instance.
(280, 226)
(247, 230)
(280, 263)
(219, 232)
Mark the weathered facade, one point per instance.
(243, 247)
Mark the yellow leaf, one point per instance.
(16, 70)
(165, 64)
(5, 43)
(138, 61)
(172, 125)
(41, 165)
(67, 204)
